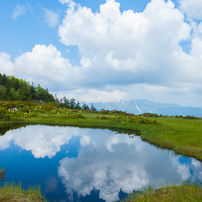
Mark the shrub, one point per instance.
(4, 114)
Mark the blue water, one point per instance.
(74, 164)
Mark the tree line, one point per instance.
(73, 104)
(13, 89)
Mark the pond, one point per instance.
(77, 164)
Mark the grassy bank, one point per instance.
(15, 192)
(11, 192)
(174, 193)
(182, 135)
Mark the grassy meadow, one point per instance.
(182, 193)
(12, 192)
(180, 134)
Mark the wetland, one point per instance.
(71, 163)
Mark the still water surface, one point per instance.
(76, 164)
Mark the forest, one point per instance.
(14, 89)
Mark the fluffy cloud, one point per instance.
(137, 42)
(91, 95)
(135, 48)
(120, 51)
(196, 50)
(130, 47)
(6, 66)
(192, 8)
(51, 17)
(46, 66)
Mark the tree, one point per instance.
(78, 105)
(24, 93)
(32, 92)
(66, 102)
(92, 108)
(15, 94)
(3, 80)
(2, 92)
(18, 89)
(42, 94)
(72, 103)
(85, 107)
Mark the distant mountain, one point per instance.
(145, 106)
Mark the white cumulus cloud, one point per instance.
(45, 65)
(132, 48)
(6, 66)
(192, 8)
(127, 47)
(119, 50)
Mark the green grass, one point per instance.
(184, 136)
(12, 192)
(181, 135)
(173, 193)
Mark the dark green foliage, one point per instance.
(72, 103)
(12, 88)
(157, 116)
(190, 117)
(85, 107)
(77, 106)
(4, 114)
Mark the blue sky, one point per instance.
(106, 50)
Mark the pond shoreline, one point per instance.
(163, 135)
(146, 130)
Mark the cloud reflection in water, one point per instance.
(105, 162)
(116, 162)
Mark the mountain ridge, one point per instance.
(146, 106)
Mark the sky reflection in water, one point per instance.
(70, 162)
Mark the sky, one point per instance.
(106, 50)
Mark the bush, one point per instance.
(4, 114)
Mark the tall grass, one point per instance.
(182, 193)
(15, 192)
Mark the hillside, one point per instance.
(12, 88)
